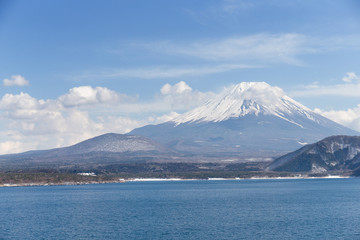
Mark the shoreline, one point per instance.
(232, 179)
(166, 180)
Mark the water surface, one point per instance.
(243, 209)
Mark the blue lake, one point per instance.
(243, 209)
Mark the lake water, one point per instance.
(242, 209)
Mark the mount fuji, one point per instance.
(250, 119)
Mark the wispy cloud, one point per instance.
(237, 49)
(345, 90)
(222, 11)
(350, 88)
(165, 71)
(213, 56)
(350, 76)
(262, 48)
(234, 6)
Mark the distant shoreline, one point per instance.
(166, 180)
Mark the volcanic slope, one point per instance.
(335, 153)
(250, 119)
(103, 149)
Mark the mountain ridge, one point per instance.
(245, 123)
(334, 153)
(250, 118)
(108, 142)
(243, 99)
(106, 148)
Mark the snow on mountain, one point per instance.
(329, 154)
(247, 98)
(109, 148)
(106, 143)
(117, 143)
(247, 119)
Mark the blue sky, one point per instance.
(75, 69)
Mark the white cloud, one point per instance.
(8, 147)
(87, 95)
(349, 118)
(75, 116)
(19, 101)
(350, 76)
(120, 124)
(50, 128)
(178, 88)
(45, 124)
(181, 96)
(166, 117)
(15, 80)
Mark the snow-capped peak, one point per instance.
(247, 98)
